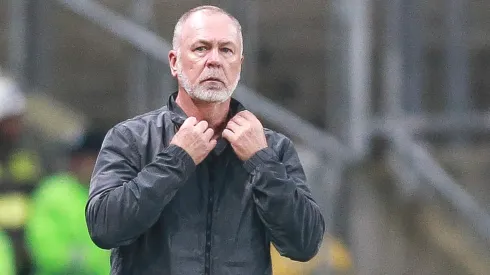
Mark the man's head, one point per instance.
(84, 154)
(12, 109)
(207, 54)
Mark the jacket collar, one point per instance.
(178, 116)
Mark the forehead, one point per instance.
(211, 26)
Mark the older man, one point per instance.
(199, 186)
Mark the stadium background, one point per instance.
(388, 102)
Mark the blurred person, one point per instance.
(17, 163)
(56, 231)
(20, 169)
(7, 259)
(199, 186)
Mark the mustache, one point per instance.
(212, 74)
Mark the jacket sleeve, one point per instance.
(126, 200)
(284, 203)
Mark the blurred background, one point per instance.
(388, 102)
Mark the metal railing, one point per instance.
(418, 164)
(420, 124)
(402, 80)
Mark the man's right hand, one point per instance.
(195, 138)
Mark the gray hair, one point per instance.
(213, 9)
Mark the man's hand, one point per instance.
(245, 134)
(195, 138)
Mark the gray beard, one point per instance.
(200, 92)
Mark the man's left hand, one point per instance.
(245, 134)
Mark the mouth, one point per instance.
(212, 79)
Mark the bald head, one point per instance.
(200, 12)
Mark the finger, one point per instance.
(212, 144)
(247, 115)
(250, 118)
(240, 120)
(233, 126)
(202, 126)
(228, 135)
(190, 121)
(208, 134)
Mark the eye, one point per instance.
(226, 50)
(200, 49)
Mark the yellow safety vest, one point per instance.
(21, 167)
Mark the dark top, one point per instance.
(162, 214)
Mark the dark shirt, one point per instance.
(162, 214)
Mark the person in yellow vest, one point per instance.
(20, 169)
(56, 231)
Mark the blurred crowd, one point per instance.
(42, 221)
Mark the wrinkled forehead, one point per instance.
(210, 26)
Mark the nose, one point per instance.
(214, 58)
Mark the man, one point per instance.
(199, 187)
(20, 169)
(56, 232)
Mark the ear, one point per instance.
(172, 61)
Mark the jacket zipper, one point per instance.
(209, 223)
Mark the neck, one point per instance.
(215, 113)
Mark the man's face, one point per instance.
(208, 61)
(11, 128)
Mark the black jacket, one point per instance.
(162, 214)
